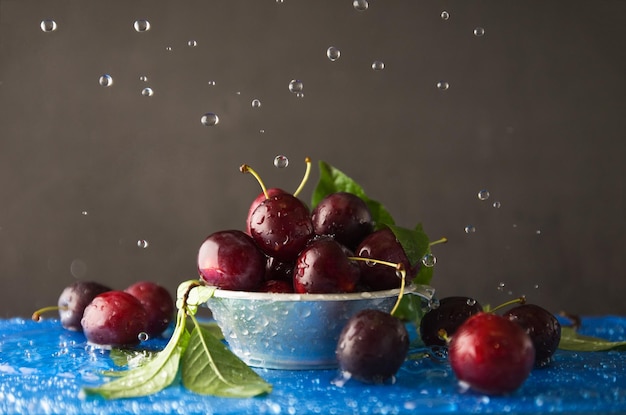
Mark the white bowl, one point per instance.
(295, 331)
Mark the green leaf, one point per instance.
(333, 180)
(213, 328)
(210, 368)
(130, 358)
(416, 245)
(155, 375)
(191, 294)
(572, 340)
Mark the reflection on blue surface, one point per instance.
(43, 368)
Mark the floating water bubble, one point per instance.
(142, 243)
(211, 83)
(78, 268)
(360, 5)
(168, 48)
(497, 204)
(333, 53)
(280, 1)
(106, 80)
(256, 103)
(262, 131)
(192, 43)
(143, 336)
(210, 119)
(429, 260)
(470, 229)
(443, 85)
(501, 286)
(300, 95)
(147, 92)
(143, 78)
(141, 25)
(48, 25)
(538, 232)
(296, 86)
(378, 65)
(536, 286)
(479, 31)
(471, 302)
(281, 161)
(483, 194)
(445, 15)
(84, 213)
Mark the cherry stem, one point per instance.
(37, 314)
(399, 269)
(443, 335)
(438, 241)
(244, 168)
(519, 300)
(307, 172)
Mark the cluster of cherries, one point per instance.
(114, 318)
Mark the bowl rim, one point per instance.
(422, 290)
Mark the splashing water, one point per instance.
(445, 15)
(470, 229)
(142, 243)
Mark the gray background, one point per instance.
(534, 114)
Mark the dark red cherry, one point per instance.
(372, 346)
(272, 191)
(448, 316)
(73, 300)
(114, 318)
(324, 267)
(276, 286)
(158, 303)
(344, 216)
(281, 226)
(542, 327)
(382, 245)
(230, 260)
(491, 354)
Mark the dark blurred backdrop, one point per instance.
(109, 184)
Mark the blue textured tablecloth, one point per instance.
(43, 367)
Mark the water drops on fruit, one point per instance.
(209, 119)
(142, 243)
(445, 15)
(281, 161)
(378, 65)
(105, 80)
(256, 103)
(48, 25)
(141, 25)
(333, 53)
(470, 229)
(360, 5)
(483, 194)
(147, 92)
(479, 31)
(143, 336)
(296, 86)
(443, 85)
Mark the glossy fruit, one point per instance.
(372, 346)
(542, 327)
(343, 215)
(278, 270)
(272, 191)
(73, 300)
(114, 318)
(491, 354)
(158, 303)
(448, 316)
(276, 286)
(324, 267)
(281, 226)
(230, 260)
(382, 245)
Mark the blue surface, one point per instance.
(43, 367)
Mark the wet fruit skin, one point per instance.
(272, 191)
(448, 316)
(114, 318)
(382, 245)
(230, 260)
(372, 346)
(73, 300)
(158, 303)
(324, 267)
(491, 354)
(542, 327)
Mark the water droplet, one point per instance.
(281, 161)
(501, 286)
(443, 85)
(280, 1)
(429, 260)
(479, 31)
(211, 83)
(84, 213)
(483, 194)
(333, 53)
(147, 92)
(142, 243)
(143, 78)
(256, 103)
(48, 25)
(378, 65)
(262, 131)
(141, 25)
(300, 95)
(497, 204)
(471, 302)
(445, 15)
(106, 80)
(360, 5)
(78, 268)
(470, 229)
(536, 286)
(210, 119)
(296, 86)
(192, 43)
(538, 232)
(143, 336)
